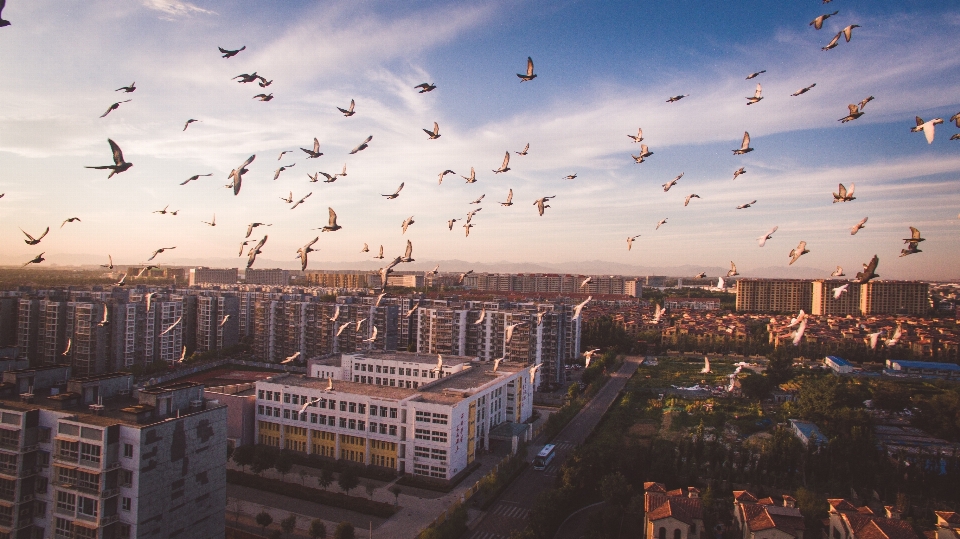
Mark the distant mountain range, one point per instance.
(586, 267)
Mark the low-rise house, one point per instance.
(807, 432)
(848, 521)
(948, 525)
(677, 514)
(764, 519)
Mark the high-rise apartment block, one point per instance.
(824, 302)
(816, 297)
(774, 295)
(270, 277)
(552, 283)
(84, 458)
(895, 297)
(203, 275)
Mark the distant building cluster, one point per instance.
(817, 297)
(553, 283)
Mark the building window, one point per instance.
(353, 424)
(343, 422)
(332, 404)
(260, 394)
(286, 414)
(259, 409)
(383, 411)
(286, 398)
(373, 427)
(125, 478)
(361, 408)
(125, 503)
(66, 501)
(356, 378)
(393, 430)
(393, 413)
(353, 407)
(276, 396)
(662, 534)
(87, 506)
(269, 395)
(128, 451)
(276, 412)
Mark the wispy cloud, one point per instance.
(176, 8)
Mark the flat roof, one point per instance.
(925, 365)
(371, 390)
(840, 361)
(412, 357)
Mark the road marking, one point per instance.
(511, 511)
(486, 535)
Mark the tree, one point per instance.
(344, 531)
(755, 386)
(289, 524)
(263, 520)
(283, 464)
(276, 534)
(326, 478)
(395, 490)
(348, 480)
(264, 458)
(318, 530)
(812, 506)
(243, 456)
(370, 488)
(615, 489)
(303, 476)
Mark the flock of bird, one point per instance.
(235, 177)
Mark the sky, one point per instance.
(603, 71)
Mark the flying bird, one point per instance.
(466, 229)
(329, 178)
(291, 359)
(762, 240)
(585, 282)
(231, 54)
(119, 165)
(114, 107)
(373, 335)
(757, 95)
(463, 276)
(395, 193)
(720, 284)
(747, 205)
(472, 178)
(896, 336)
(264, 83)
(406, 223)
(33, 241)
(289, 199)
(509, 201)
(254, 251)
(525, 150)
(426, 87)
(744, 146)
(251, 226)
(914, 236)
(303, 251)
(343, 327)
(164, 211)
(284, 152)
(483, 315)
(505, 166)
(264, 97)
(435, 134)
(470, 214)
(579, 308)
(190, 121)
(315, 152)
(276, 173)
(237, 174)
(363, 145)
(509, 329)
(570, 176)
(332, 225)
(194, 177)
(365, 249)
(686, 201)
(301, 201)
(818, 22)
(35, 260)
(125, 89)
(530, 74)
(630, 241)
(448, 171)
(539, 203)
(661, 222)
(795, 254)
(733, 270)
(408, 254)
(738, 172)
(671, 183)
(348, 112)
(677, 98)
(926, 127)
(158, 251)
(842, 195)
(798, 335)
(644, 152)
(173, 325)
(110, 265)
(846, 32)
(858, 226)
(855, 110)
(638, 137)
(803, 90)
(477, 201)
(380, 257)
(837, 272)
(69, 220)
(246, 77)
(755, 75)
(701, 275)
(450, 223)
(838, 291)
(211, 223)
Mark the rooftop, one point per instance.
(412, 357)
(931, 365)
(344, 386)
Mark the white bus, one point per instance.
(544, 457)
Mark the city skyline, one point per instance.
(602, 73)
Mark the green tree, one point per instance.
(755, 386)
(395, 490)
(318, 530)
(344, 531)
(263, 520)
(243, 456)
(289, 524)
(812, 506)
(326, 478)
(370, 488)
(615, 489)
(348, 480)
(283, 464)
(264, 458)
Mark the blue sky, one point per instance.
(604, 69)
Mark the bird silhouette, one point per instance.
(119, 165)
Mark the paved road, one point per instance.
(510, 512)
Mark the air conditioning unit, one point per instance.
(196, 403)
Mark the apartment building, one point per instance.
(895, 297)
(84, 459)
(273, 277)
(341, 279)
(434, 431)
(823, 302)
(204, 275)
(774, 295)
(540, 283)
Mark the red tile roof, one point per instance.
(659, 506)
